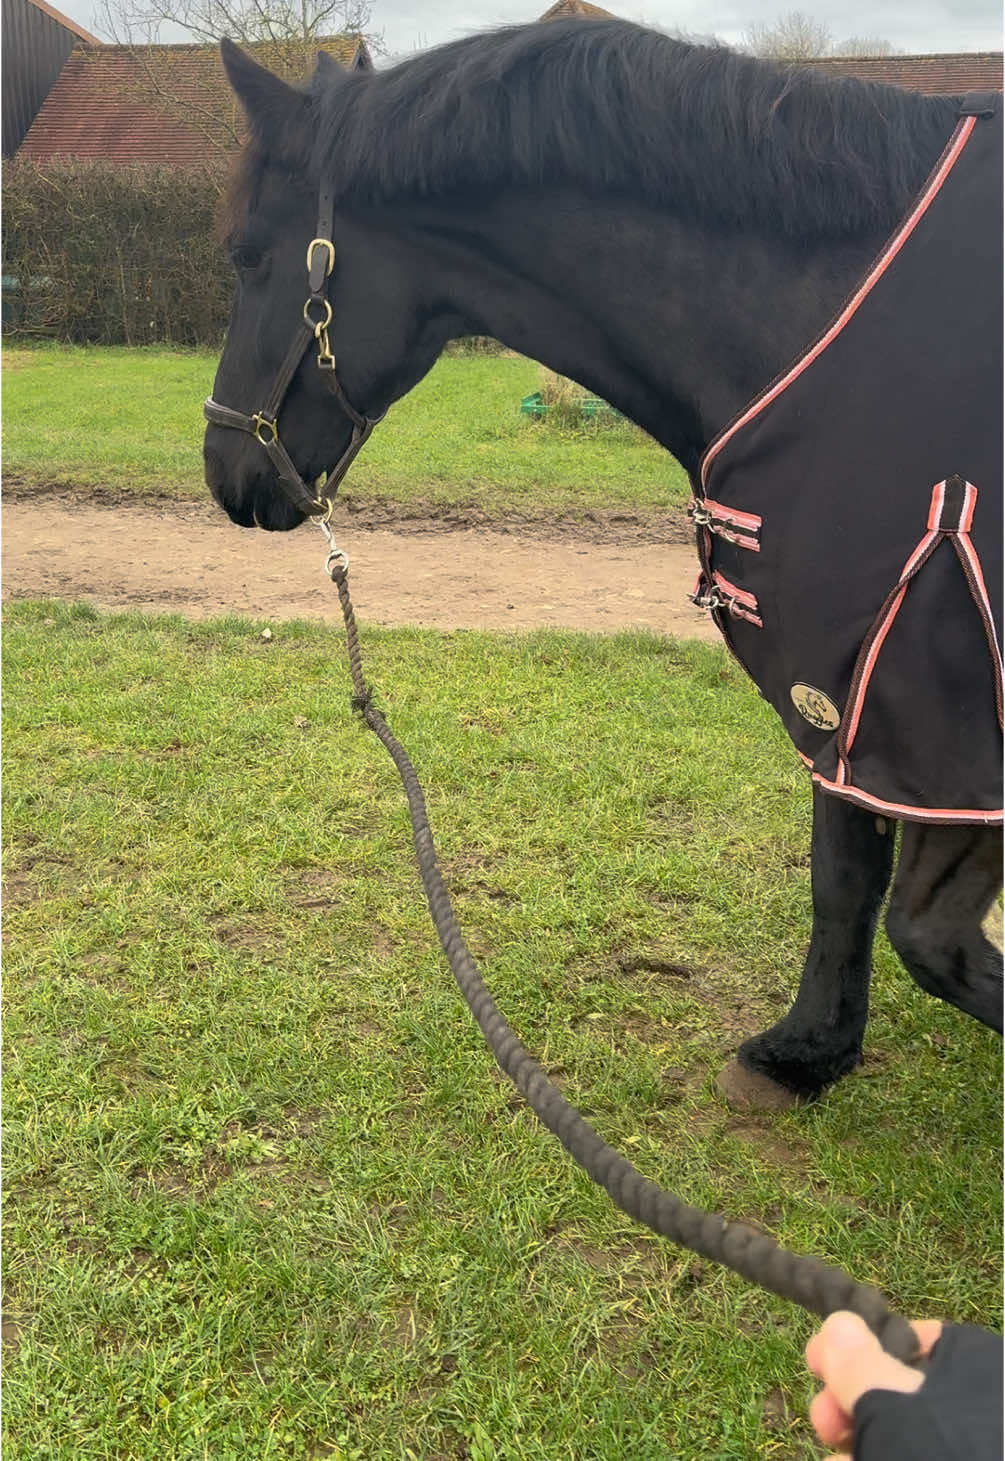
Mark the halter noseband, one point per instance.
(263, 424)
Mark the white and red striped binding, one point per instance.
(942, 170)
(936, 527)
(910, 813)
(741, 528)
(743, 605)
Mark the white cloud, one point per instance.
(923, 25)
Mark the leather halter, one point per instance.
(263, 425)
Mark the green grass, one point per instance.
(267, 1196)
(130, 420)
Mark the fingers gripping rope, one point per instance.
(814, 1285)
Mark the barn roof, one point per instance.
(566, 9)
(65, 22)
(158, 104)
(944, 73)
(172, 105)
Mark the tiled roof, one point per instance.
(949, 74)
(157, 104)
(172, 105)
(564, 9)
(942, 74)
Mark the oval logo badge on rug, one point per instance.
(813, 705)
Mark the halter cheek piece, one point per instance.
(263, 424)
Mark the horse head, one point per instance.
(327, 325)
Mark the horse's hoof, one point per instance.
(748, 1090)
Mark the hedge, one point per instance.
(98, 254)
(104, 255)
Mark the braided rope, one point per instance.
(809, 1282)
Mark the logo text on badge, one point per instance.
(816, 707)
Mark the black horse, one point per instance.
(670, 225)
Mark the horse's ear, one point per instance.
(327, 66)
(263, 95)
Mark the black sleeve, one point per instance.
(955, 1416)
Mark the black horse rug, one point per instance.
(867, 609)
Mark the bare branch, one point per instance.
(292, 29)
(865, 46)
(135, 22)
(797, 36)
(792, 37)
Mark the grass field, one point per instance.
(131, 420)
(266, 1195)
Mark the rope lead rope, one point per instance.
(814, 1285)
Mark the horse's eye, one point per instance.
(247, 258)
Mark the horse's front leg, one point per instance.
(820, 1039)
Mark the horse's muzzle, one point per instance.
(251, 500)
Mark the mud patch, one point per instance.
(240, 936)
(463, 578)
(408, 1329)
(382, 943)
(11, 1332)
(252, 1150)
(769, 1144)
(776, 1414)
(104, 971)
(34, 876)
(735, 1011)
(649, 964)
(175, 1179)
(633, 1266)
(315, 887)
(299, 1123)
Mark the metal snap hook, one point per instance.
(323, 518)
(337, 557)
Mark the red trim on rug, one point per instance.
(744, 596)
(732, 514)
(943, 168)
(967, 554)
(938, 502)
(744, 605)
(861, 681)
(966, 543)
(746, 524)
(905, 812)
(937, 533)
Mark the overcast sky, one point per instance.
(913, 26)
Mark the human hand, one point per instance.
(850, 1360)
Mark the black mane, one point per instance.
(611, 106)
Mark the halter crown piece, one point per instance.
(263, 425)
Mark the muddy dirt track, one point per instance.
(613, 571)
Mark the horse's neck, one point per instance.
(674, 324)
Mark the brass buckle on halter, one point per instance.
(261, 422)
(324, 243)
